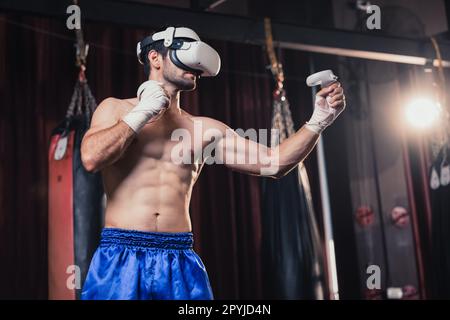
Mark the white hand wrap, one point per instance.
(323, 115)
(152, 100)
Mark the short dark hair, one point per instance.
(159, 47)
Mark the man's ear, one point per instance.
(154, 59)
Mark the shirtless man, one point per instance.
(146, 245)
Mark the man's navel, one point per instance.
(156, 215)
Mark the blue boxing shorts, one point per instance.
(138, 265)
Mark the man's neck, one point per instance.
(174, 101)
(173, 93)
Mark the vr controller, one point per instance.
(323, 114)
(323, 78)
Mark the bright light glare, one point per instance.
(422, 112)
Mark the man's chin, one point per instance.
(183, 84)
(187, 86)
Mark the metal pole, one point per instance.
(326, 210)
(362, 54)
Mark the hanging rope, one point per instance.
(82, 49)
(83, 102)
(275, 67)
(281, 117)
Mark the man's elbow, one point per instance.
(88, 160)
(89, 163)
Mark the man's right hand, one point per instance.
(153, 99)
(329, 103)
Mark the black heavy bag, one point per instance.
(292, 254)
(75, 200)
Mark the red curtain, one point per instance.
(37, 74)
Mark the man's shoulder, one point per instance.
(112, 102)
(116, 105)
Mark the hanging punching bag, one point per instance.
(292, 255)
(440, 230)
(75, 200)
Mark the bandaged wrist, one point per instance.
(136, 119)
(314, 127)
(152, 100)
(322, 117)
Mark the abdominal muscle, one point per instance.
(151, 196)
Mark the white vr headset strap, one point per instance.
(168, 37)
(171, 33)
(138, 52)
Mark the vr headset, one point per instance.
(187, 51)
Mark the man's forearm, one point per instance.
(106, 146)
(295, 149)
